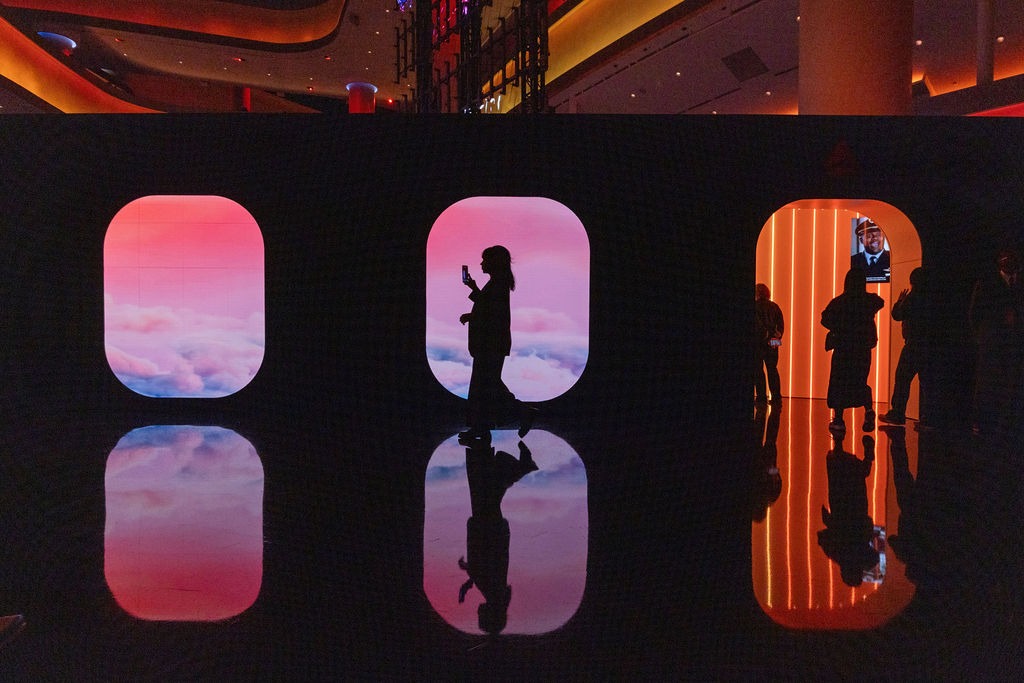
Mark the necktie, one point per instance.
(872, 261)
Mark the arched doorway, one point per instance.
(803, 254)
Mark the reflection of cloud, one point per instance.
(159, 351)
(181, 471)
(183, 532)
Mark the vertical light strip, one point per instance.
(792, 287)
(814, 267)
(768, 557)
(810, 487)
(771, 267)
(789, 509)
(835, 251)
(835, 278)
(768, 518)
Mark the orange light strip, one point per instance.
(810, 487)
(25, 63)
(792, 287)
(811, 327)
(789, 507)
(768, 556)
(229, 20)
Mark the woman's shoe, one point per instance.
(892, 418)
(526, 415)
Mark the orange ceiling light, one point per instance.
(34, 69)
(225, 19)
(593, 25)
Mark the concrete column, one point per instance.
(986, 42)
(856, 56)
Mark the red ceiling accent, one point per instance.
(1009, 110)
(244, 22)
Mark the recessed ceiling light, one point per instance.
(328, 58)
(679, 73)
(918, 42)
(1000, 39)
(238, 59)
(768, 93)
(632, 94)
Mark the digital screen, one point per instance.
(869, 249)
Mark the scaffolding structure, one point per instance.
(463, 66)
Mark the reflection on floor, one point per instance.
(514, 514)
(385, 549)
(820, 556)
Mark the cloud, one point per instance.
(159, 351)
(548, 354)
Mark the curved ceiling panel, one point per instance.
(224, 19)
(31, 67)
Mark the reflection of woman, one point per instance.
(490, 341)
(850, 320)
(849, 529)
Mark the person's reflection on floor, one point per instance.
(907, 543)
(849, 529)
(490, 475)
(767, 480)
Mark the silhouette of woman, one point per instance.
(490, 340)
(850, 320)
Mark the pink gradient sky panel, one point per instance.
(184, 296)
(550, 306)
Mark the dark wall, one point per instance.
(345, 399)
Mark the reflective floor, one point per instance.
(170, 552)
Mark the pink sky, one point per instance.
(183, 539)
(183, 296)
(551, 303)
(548, 520)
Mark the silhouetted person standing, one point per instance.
(997, 320)
(912, 310)
(490, 475)
(850, 321)
(768, 328)
(490, 342)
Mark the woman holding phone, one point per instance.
(490, 340)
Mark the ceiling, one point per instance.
(181, 55)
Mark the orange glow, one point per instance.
(215, 18)
(594, 25)
(31, 67)
(786, 557)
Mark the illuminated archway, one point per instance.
(803, 254)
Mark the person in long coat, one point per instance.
(850, 321)
(490, 402)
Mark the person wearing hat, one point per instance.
(873, 257)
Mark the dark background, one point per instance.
(345, 412)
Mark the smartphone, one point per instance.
(465, 274)
(775, 343)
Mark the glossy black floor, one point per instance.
(668, 589)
